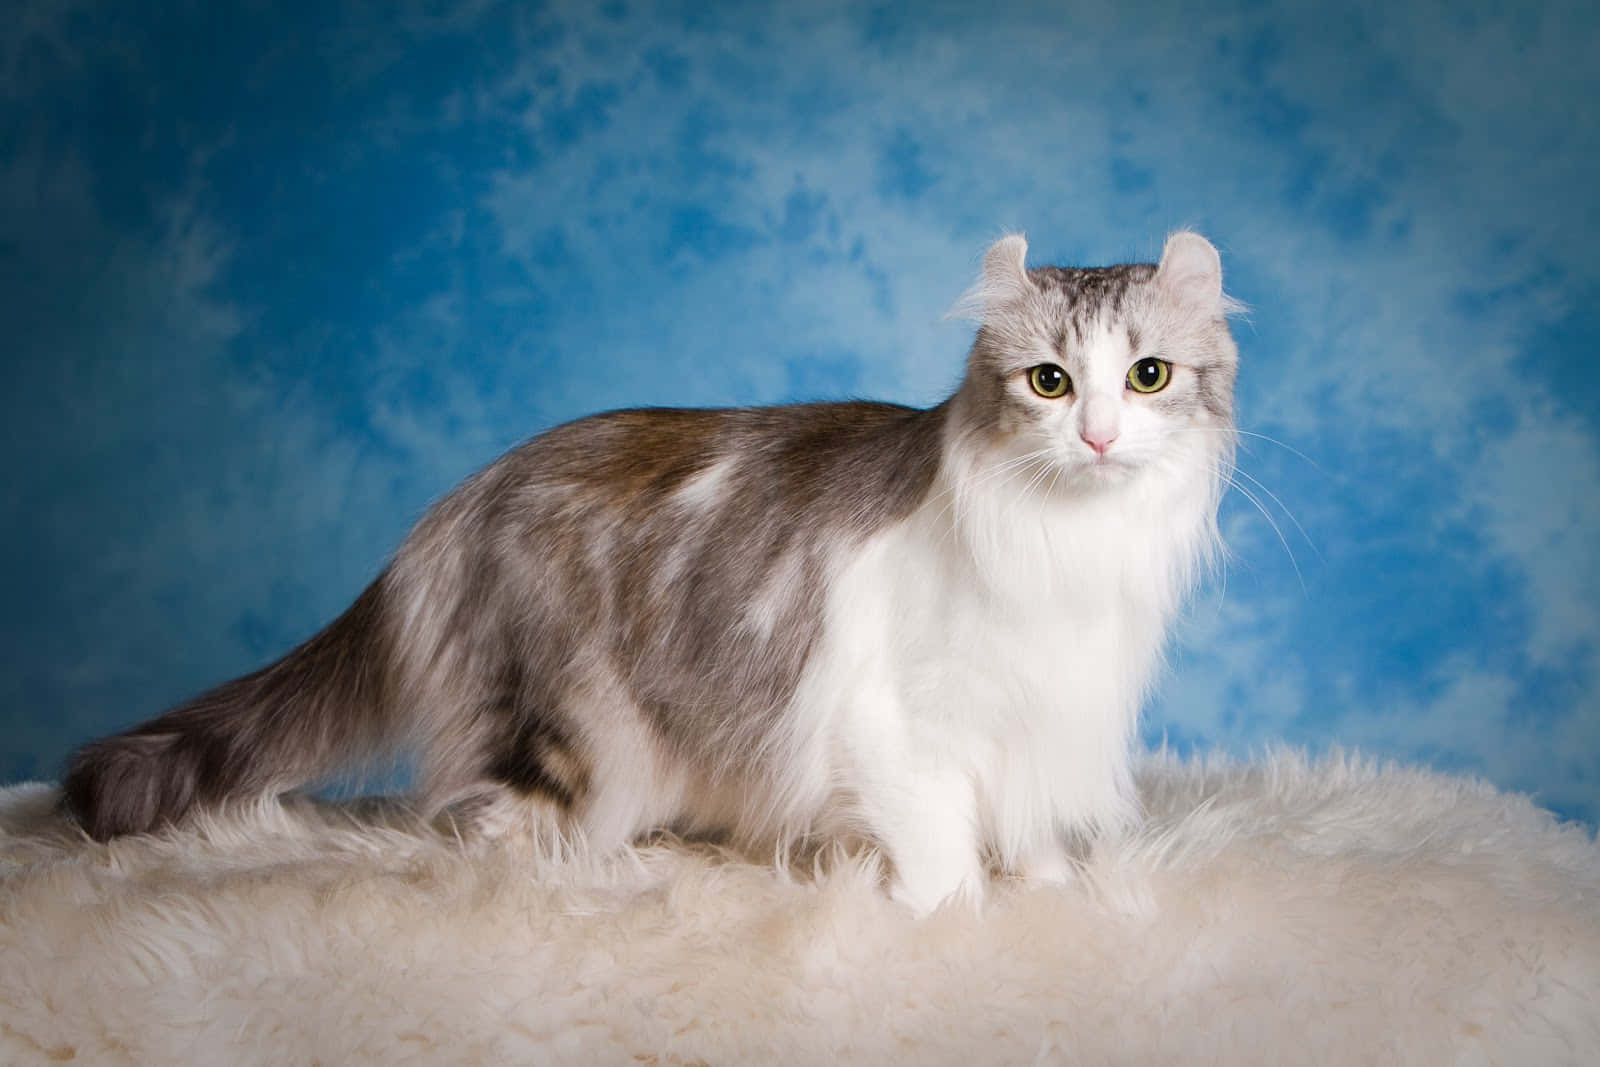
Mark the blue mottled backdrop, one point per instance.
(273, 277)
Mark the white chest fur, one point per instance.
(985, 664)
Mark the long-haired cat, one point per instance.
(934, 628)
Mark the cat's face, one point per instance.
(1101, 373)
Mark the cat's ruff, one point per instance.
(1270, 913)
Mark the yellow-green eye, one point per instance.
(1049, 381)
(1149, 375)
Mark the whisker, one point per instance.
(1257, 482)
(1222, 590)
(992, 472)
(1033, 482)
(1287, 448)
(1270, 522)
(1037, 458)
(960, 489)
(1258, 436)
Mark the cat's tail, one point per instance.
(297, 721)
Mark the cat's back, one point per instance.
(852, 463)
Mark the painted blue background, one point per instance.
(272, 278)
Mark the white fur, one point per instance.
(1280, 912)
(986, 659)
(989, 660)
(705, 490)
(762, 614)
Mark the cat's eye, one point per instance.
(1149, 375)
(1049, 381)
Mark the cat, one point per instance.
(932, 627)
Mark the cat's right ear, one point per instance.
(1004, 280)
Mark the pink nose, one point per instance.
(1100, 441)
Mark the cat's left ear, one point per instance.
(1004, 280)
(1191, 272)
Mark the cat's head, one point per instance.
(1103, 372)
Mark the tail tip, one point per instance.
(127, 785)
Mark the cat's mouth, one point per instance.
(1107, 469)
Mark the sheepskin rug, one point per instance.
(1285, 911)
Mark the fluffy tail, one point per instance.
(319, 708)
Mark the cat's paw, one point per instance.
(496, 818)
(925, 895)
(1047, 866)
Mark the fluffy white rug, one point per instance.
(1278, 912)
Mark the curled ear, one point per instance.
(1004, 279)
(1191, 272)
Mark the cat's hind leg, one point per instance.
(515, 765)
(587, 794)
(526, 781)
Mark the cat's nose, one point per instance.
(1099, 440)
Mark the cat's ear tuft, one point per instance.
(1191, 271)
(1004, 280)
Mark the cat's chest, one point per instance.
(1034, 616)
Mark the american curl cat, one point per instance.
(933, 629)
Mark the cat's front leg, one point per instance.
(933, 845)
(925, 819)
(1046, 863)
(914, 797)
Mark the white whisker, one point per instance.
(1035, 480)
(990, 473)
(1258, 436)
(958, 491)
(1257, 482)
(1287, 448)
(1033, 459)
(1293, 562)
